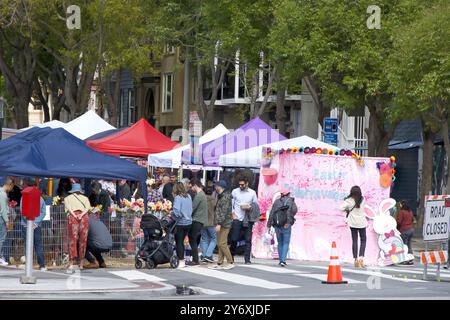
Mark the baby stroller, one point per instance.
(158, 247)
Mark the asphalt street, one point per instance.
(263, 279)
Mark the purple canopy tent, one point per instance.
(252, 134)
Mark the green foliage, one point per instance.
(419, 68)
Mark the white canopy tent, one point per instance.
(54, 124)
(251, 158)
(87, 125)
(172, 158)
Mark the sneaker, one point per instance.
(192, 263)
(181, 264)
(209, 259)
(43, 269)
(102, 265)
(248, 262)
(216, 266)
(3, 263)
(283, 264)
(228, 266)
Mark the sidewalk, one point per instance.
(88, 281)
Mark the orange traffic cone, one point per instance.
(334, 269)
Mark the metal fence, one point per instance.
(124, 228)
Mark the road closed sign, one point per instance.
(437, 217)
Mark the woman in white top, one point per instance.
(353, 206)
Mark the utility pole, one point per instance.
(186, 93)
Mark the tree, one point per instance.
(419, 72)
(341, 61)
(17, 58)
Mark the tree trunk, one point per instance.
(18, 69)
(427, 171)
(316, 94)
(281, 112)
(113, 97)
(447, 152)
(377, 136)
(262, 108)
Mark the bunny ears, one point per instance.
(383, 208)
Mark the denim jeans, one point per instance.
(208, 241)
(236, 229)
(3, 232)
(37, 243)
(283, 239)
(406, 237)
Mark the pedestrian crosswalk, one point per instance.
(269, 276)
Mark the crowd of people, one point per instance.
(208, 217)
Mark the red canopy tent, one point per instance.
(141, 139)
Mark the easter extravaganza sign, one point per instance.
(319, 183)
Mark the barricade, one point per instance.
(124, 229)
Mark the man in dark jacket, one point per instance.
(167, 189)
(124, 190)
(282, 217)
(99, 241)
(223, 220)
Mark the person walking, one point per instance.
(243, 198)
(77, 207)
(223, 220)
(199, 219)
(353, 205)
(208, 234)
(4, 220)
(37, 228)
(182, 212)
(405, 225)
(282, 217)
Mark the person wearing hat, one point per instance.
(77, 207)
(282, 217)
(222, 220)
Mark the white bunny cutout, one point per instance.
(392, 248)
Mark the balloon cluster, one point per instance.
(387, 172)
(269, 153)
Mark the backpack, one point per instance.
(280, 216)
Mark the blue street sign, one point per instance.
(330, 138)
(330, 125)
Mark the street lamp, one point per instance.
(2, 103)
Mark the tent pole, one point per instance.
(204, 177)
(218, 175)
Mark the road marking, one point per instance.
(271, 269)
(136, 275)
(400, 271)
(239, 279)
(370, 273)
(323, 277)
(207, 291)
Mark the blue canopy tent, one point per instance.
(57, 153)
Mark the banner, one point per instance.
(319, 184)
